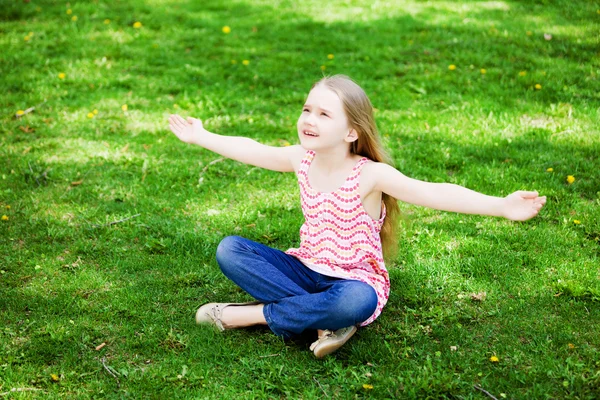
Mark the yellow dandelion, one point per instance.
(246, 62)
(95, 112)
(54, 377)
(330, 56)
(538, 86)
(226, 30)
(124, 107)
(576, 221)
(74, 18)
(571, 346)
(26, 38)
(69, 11)
(234, 62)
(5, 218)
(366, 386)
(90, 115)
(570, 179)
(137, 25)
(483, 71)
(175, 105)
(20, 112)
(7, 207)
(451, 67)
(62, 75)
(106, 21)
(522, 73)
(494, 359)
(550, 169)
(323, 67)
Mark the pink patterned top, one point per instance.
(338, 237)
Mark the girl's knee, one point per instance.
(359, 301)
(227, 249)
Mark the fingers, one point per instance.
(528, 195)
(177, 124)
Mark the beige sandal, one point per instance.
(331, 341)
(211, 313)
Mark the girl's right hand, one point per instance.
(188, 131)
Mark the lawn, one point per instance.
(109, 224)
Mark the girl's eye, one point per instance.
(325, 115)
(305, 110)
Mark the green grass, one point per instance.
(70, 281)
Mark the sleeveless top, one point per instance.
(338, 238)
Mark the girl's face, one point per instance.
(323, 123)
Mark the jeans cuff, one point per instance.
(271, 323)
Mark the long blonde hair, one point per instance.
(359, 111)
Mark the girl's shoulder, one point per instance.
(296, 154)
(372, 172)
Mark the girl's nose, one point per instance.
(310, 119)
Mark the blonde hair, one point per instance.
(359, 112)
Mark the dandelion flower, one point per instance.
(494, 359)
(106, 21)
(323, 68)
(246, 62)
(330, 56)
(226, 30)
(5, 218)
(69, 11)
(7, 207)
(74, 18)
(522, 73)
(570, 179)
(571, 346)
(61, 75)
(550, 169)
(576, 221)
(27, 38)
(451, 67)
(124, 107)
(366, 386)
(95, 112)
(538, 86)
(137, 25)
(90, 115)
(483, 71)
(54, 377)
(233, 62)
(20, 112)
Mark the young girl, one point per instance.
(336, 279)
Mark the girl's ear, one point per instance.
(352, 136)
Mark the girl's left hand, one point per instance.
(521, 205)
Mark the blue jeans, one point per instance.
(296, 298)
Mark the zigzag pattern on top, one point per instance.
(338, 237)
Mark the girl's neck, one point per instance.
(333, 160)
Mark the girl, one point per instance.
(336, 279)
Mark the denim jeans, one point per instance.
(296, 298)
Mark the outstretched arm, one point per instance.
(237, 148)
(518, 206)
